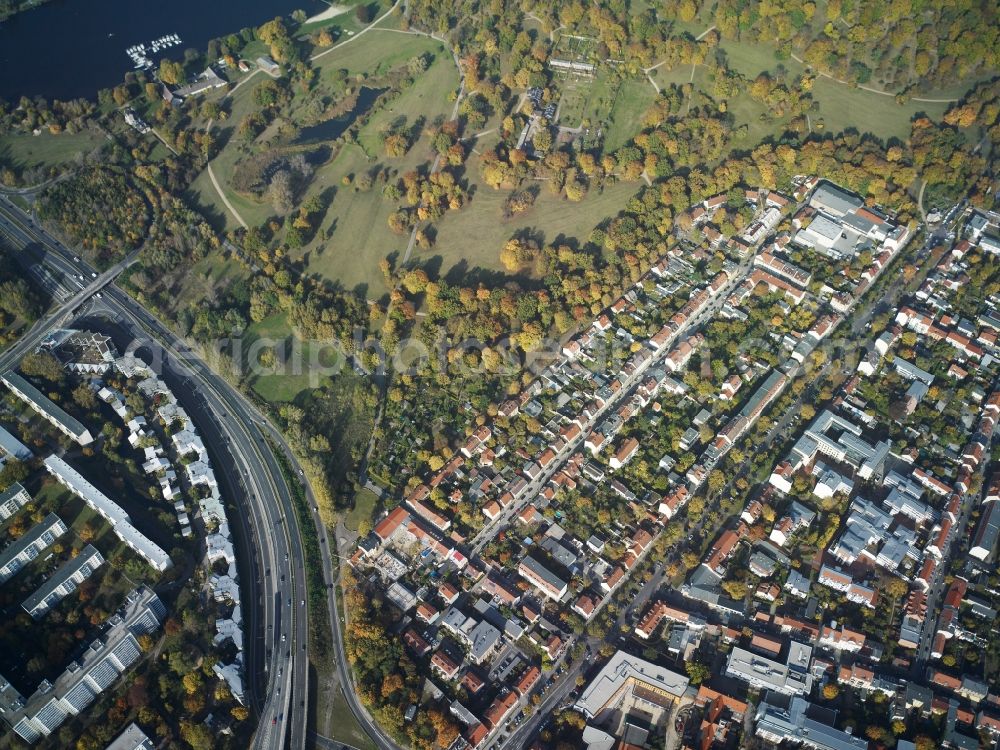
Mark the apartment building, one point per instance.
(63, 582)
(28, 547)
(106, 659)
(49, 410)
(120, 521)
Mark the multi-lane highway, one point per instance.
(277, 656)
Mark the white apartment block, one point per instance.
(120, 521)
(28, 547)
(63, 582)
(12, 500)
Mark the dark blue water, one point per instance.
(62, 50)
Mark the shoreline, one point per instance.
(325, 15)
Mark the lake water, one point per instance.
(335, 127)
(68, 49)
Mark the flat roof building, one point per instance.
(63, 582)
(791, 678)
(133, 738)
(28, 547)
(626, 675)
(780, 719)
(840, 439)
(52, 412)
(111, 512)
(107, 658)
(834, 200)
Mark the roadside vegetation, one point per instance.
(379, 205)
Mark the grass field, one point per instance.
(202, 281)
(840, 107)
(45, 150)
(549, 219)
(329, 715)
(365, 503)
(307, 364)
(630, 104)
(354, 234)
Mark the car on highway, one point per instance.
(283, 638)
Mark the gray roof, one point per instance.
(133, 738)
(51, 524)
(43, 403)
(988, 530)
(482, 640)
(769, 674)
(13, 447)
(621, 668)
(789, 719)
(831, 198)
(542, 572)
(84, 563)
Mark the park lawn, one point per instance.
(426, 100)
(842, 107)
(753, 59)
(365, 503)
(203, 281)
(664, 76)
(23, 151)
(746, 111)
(633, 100)
(474, 235)
(307, 364)
(354, 234)
(254, 212)
(379, 51)
(203, 195)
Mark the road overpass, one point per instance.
(279, 642)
